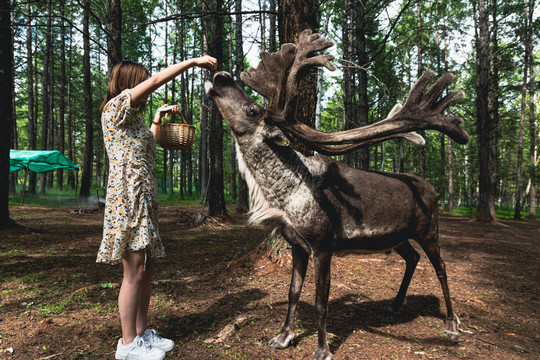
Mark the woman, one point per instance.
(130, 228)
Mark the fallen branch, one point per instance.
(228, 330)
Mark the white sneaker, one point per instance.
(152, 337)
(138, 349)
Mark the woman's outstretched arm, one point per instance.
(141, 92)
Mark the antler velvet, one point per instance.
(276, 78)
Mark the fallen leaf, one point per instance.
(478, 301)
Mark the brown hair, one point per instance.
(124, 75)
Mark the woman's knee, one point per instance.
(134, 266)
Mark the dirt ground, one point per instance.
(218, 299)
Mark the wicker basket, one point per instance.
(176, 136)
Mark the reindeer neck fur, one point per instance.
(279, 180)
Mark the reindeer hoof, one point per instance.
(452, 328)
(281, 341)
(451, 335)
(322, 355)
(396, 307)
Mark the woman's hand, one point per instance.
(160, 114)
(156, 123)
(206, 62)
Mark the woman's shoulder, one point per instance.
(122, 99)
(119, 110)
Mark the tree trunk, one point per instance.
(6, 107)
(51, 125)
(442, 192)
(361, 53)
(14, 144)
(486, 127)
(62, 103)
(272, 47)
(173, 154)
(232, 145)
(86, 175)
(114, 29)
(517, 206)
(216, 195)
(348, 75)
(166, 153)
(189, 165)
(295, 16)
(203, 146)
(532, 128)
(450, 179)
(243, 202)
(71, 146)
(46, 119)
(421, 149)
(32, 133)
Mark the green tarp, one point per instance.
(39, 161)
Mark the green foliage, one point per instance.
(447, 44)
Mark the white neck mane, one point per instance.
(259, 208)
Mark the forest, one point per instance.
(62, 51)
(221, 292)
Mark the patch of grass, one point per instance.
(504, 212)
(52, 197)
(15, 253)
(33, 278)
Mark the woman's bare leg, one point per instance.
(144, 297)
(129, 297)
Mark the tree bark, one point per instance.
(421, 149)
(71, 146)
(243, 202)
(272, 47)
(294, 16)
(32, 133)
(86, 175)
(46, 119)
(486, 126)
(114, 30)
(173, 154)
(532, 128)
(349, 118)
(362, 55)
(517, 206)
(62, 103)
(6, 108)
(216, 194)
(166, 153)
(14, 144)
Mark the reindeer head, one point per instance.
(276, 78)
(244, 116)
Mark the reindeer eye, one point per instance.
(251, 110)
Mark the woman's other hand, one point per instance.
(160, 114)
(206, 62)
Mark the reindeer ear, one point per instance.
(276, 136)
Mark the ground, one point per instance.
(220, 299)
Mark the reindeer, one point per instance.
(322, 206)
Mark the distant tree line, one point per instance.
(56, 56)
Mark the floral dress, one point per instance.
(131, 208)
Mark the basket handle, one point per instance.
(181, 115)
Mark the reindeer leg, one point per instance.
(300, 262)
(411, 258)
(431, 247)
(321, 264)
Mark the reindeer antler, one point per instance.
(276, 78)
(267, 78)
(420, 112)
